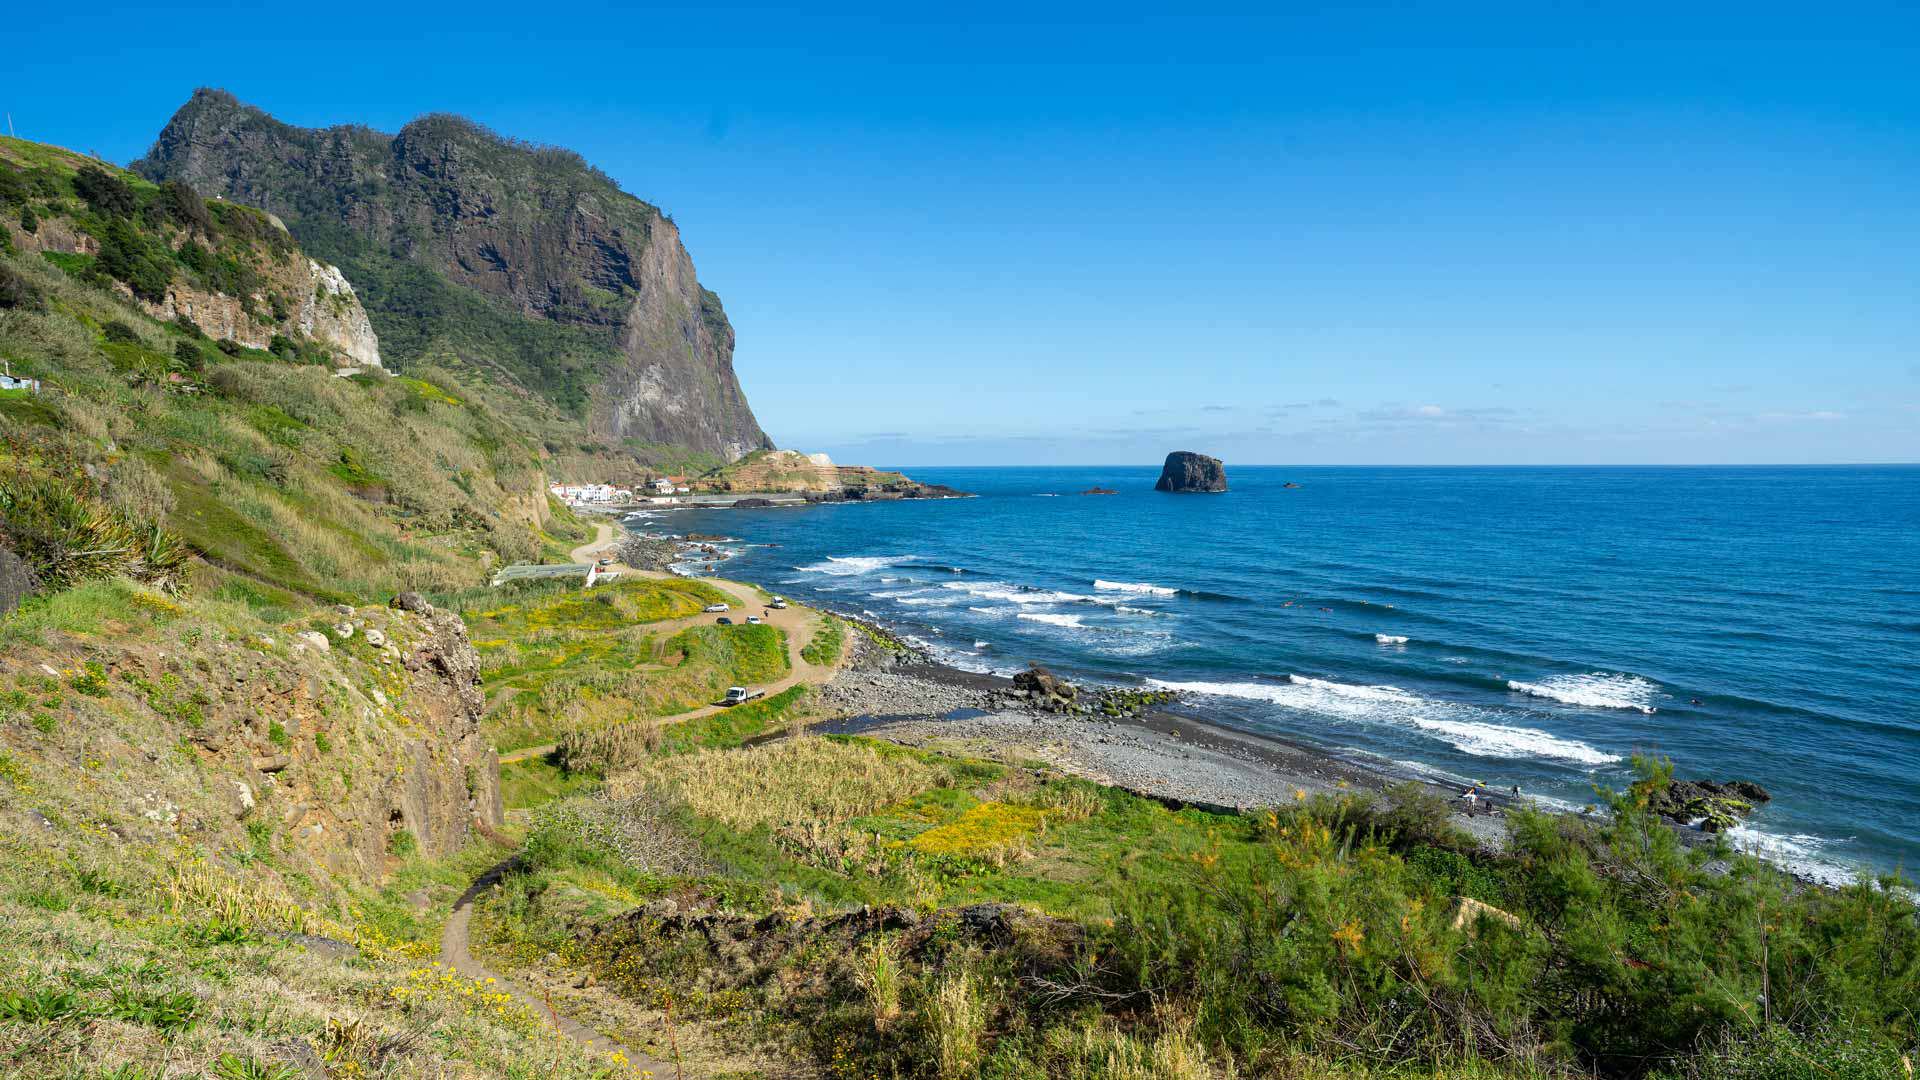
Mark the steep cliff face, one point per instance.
(524, 261)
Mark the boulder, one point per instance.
(314, 638)
(1714, 806)
(1187, 471)
(1045, 689)
(411, 601)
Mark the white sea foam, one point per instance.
(839, 566)
(896, 594)
(1501, 740)
(1014, 594)
(1390, 639)
(1798, 853)
(932, 601)
(1143, 588)
(1597, 690)
(1054, 619)
(981, 644)
(1468, 729)
(994, 611)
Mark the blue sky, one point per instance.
(1396, 233)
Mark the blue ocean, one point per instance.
(1518, 626)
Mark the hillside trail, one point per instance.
(456, 939)
(456, 953)
(797, 621)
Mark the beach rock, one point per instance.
(1045, 689)
(1187, 471)
(753, 504)
(1714, 806)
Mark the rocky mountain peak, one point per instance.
(458, 238)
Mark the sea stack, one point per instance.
(1188, 471)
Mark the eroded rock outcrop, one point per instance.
(1187, 471)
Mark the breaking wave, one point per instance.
(1466, 728)
(1390, 639)
(1143, 588)
(1053, 619)
(1597, 690)
(840, 566)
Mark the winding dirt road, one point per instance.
(797, 621)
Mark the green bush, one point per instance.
(69, 537)
(19, 293)
(104, 192)
(1615, 947)
(134, 258)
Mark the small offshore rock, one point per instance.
(1186, 471)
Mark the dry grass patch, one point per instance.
(788, 783)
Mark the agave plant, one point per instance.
(68, 536)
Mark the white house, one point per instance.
(9, 382)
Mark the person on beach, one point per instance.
(1472, 798)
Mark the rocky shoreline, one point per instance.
(1152, 752)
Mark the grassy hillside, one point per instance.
(881, 911)
(288, 481)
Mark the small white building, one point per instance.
(8, 381)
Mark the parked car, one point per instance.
(778, 604)
(723, 621)
(737, 695)
(753, 620)
(606, 562)
(712, 608)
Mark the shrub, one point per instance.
(29, 221)
(118, 332)
(17, 292)
(68, 537)
(183, 205)
(137, 490)
(105, 193)
(127, 256)
(402, 844)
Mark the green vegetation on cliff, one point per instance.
(518, 264)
